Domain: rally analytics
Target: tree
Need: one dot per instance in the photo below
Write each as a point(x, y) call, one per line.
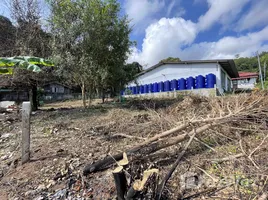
point(7, 37)
point(31, 39)
point(130, 71)
point(28, 38)
point(91, 43)
point(170, 59)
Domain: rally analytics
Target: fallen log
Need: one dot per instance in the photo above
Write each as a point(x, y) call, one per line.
point(143, 150)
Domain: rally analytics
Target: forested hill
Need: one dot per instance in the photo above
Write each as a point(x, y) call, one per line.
point(250, 64)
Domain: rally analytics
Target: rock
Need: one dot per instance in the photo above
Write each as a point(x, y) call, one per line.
point(190, 180)
point(4, 157)
point(30, 193)
point(60, 194)
point(6, 135)
point(51, 183)
point(41, 187)
point(39, 198)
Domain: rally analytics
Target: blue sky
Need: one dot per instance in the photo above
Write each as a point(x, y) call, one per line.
point(193, 29)
point(196, 29)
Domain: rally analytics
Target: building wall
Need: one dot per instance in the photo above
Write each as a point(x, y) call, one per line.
point(209, 92)
point(177, 71)
point(56, 88)
point(247, 83)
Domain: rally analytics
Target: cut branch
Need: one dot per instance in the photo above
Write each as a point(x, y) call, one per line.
point(169, 174)
point(141, 150)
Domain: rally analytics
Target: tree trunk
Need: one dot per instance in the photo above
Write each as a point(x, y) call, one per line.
point(84, 95)
point(120, 182)
point(103, 95)
point(34, 98)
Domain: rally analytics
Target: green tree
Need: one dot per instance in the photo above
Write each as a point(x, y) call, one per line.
point(7, 37)
point(91, 43)
point(26, 38)
point(170, 59)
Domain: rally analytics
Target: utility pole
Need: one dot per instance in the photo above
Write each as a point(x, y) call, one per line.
point(264, 71)
point(260, 70)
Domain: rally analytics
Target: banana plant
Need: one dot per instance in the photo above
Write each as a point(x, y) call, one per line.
point(7, 65)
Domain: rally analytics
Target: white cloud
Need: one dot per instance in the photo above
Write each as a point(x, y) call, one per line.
point(141, 12)
point(163, 39)
point(228, 47)
point(168, 37)
point(220, 11)
point(175, 36)
point(256, 16)
point(145, 12)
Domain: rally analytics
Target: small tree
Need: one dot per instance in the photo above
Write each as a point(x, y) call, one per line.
point(91, 43)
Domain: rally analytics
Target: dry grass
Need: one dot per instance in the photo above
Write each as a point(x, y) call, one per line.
point(64, 140)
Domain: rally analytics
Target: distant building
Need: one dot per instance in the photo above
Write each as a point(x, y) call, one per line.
point(197, 76)
point(56, 88)
point(245, 81)
point(57, 91)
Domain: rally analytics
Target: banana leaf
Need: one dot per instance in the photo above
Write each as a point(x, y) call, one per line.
point(35, 60)
point(7, 65)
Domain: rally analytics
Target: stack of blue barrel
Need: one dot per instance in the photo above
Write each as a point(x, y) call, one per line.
point(181, 84)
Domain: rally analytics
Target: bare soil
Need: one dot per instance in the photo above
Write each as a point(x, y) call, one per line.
point(65, 137)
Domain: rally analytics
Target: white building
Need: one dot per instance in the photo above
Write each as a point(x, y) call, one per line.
point(245, 81)
point(224, 71)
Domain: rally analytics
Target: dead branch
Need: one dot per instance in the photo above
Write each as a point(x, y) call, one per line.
point(205, 144)
point(126, 136)
point(264, 196)
point(169, 174)
point(259, 146)
point(104, 163)
point(232, 157)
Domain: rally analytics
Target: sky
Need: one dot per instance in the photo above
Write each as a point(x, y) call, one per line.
point(196, 29)
point(192, 29)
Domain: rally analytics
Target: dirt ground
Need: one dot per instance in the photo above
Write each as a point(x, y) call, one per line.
point(65, 137)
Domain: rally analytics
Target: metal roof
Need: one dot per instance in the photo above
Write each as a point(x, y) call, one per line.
point(244, 75)
point(227, 65)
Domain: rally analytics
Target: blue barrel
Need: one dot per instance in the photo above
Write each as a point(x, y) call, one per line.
point(156, 87)
point(167, 86)
point(174, 85)
point(142, 89)
point(182, 84)
point(134, 90)
point(190, 82)
point(210, 80)
point(161, 86)
point(200, 81)
point(138, 89)
point(146, 88)
point(151, 87)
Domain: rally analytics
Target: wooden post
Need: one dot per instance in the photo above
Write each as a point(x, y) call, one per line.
point(25, 142)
